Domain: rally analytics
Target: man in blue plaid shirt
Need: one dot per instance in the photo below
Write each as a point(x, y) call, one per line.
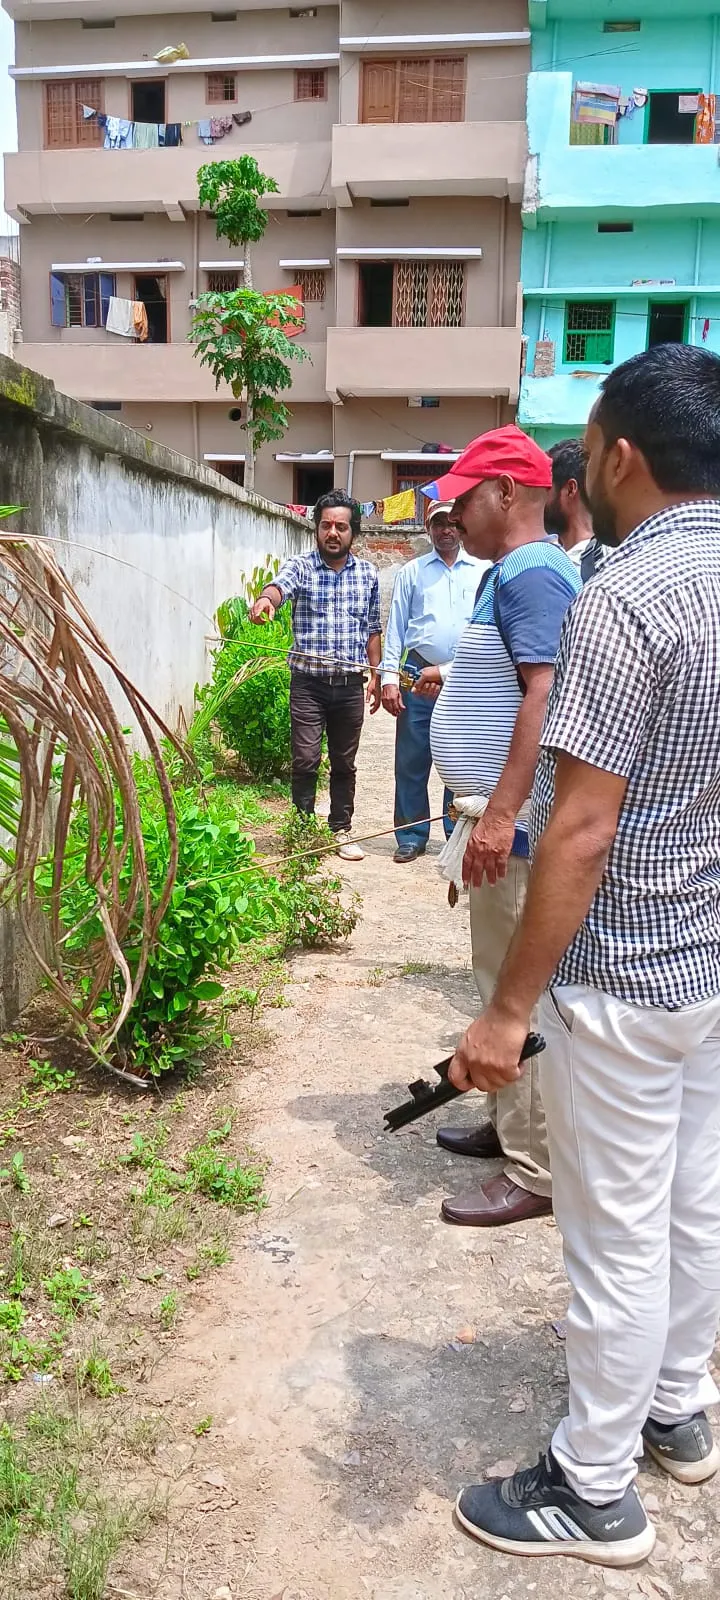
point(336, 633)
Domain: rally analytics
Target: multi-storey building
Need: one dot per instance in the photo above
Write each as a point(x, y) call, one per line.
point(396, 134)
point(621, 214)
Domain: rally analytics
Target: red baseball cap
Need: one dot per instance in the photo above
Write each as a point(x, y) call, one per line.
point(502, 451)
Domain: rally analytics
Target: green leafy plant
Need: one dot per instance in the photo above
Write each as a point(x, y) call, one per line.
point(253, 710)
point(43, 1075)
point(219, 902)
point(245, 337)
point(203, 1426)
point(168, 1310)
point(69, 1291)
point(16, 1173)
point(95, 1375)
point(311, 898)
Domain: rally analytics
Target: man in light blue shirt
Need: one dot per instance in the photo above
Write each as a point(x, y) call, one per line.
point(432, 602)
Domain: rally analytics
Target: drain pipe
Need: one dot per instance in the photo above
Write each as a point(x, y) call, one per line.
point(351, 464)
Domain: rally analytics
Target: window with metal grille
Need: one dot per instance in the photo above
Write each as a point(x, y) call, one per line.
point(428, 294)
point(80, 299)
point(66, 127)
point(311, 83)
point(223, 282)
point(413, 89)
point(590, 331)
point(221, 88)
point(311, 282)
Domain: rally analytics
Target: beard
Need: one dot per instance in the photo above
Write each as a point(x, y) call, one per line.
point(555, 519)
point(604, 519)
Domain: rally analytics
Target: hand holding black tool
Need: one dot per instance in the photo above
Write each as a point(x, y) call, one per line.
point(427, 1096)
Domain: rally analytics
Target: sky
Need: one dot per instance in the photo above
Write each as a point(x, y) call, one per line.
point(8, 130)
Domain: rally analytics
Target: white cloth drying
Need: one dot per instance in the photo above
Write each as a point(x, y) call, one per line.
point(120, 318)
point(470, 808)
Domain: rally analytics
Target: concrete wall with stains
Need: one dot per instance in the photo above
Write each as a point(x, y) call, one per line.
point(151, 541)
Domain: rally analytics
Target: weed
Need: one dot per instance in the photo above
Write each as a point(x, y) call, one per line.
point(377, 977)
point(225, 1181)
point(310, 899)
point(203, 1426)
point(94, 1373)
point(88, 1551)
point(168, 1310)
point(16, 1173)
point(69, 1291)
point(420, 969)
point(43, 1075)
point(215, 1254)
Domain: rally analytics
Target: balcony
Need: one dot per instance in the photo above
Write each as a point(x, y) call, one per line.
point(414, 361)
point(45, 182)
point(398, 160)
point(608, 181)
point(152, 373)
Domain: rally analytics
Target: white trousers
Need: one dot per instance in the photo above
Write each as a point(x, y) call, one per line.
point(632, 1099)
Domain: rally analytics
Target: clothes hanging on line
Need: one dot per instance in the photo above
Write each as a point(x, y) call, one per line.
point(399, 507)
point(121, 317)
point(118, 133)
point(140, 321)
point(705, 120)
point(241, 117)
point(170, 134)
point(146, 135)
point(368, 508)
point(596, 103)
point(219, 126)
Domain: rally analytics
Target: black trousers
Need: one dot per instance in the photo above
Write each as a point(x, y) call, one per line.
point(335, 706)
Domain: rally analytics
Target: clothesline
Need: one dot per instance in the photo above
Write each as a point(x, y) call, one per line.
point(393, 508)
point(123, 134)
point(604, 104)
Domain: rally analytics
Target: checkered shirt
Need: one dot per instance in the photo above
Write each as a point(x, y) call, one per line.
point(637, 693)
point(334, 613)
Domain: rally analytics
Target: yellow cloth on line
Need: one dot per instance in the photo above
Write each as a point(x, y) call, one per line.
point(399, 507)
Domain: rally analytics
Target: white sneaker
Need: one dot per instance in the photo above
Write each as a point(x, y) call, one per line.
point(347, 850)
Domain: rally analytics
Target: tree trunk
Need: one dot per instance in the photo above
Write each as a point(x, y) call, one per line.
point(249, 441)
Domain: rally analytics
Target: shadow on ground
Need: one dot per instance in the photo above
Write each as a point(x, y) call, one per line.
point(430, 1419)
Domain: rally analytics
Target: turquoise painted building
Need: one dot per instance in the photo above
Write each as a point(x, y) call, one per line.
point(621, 221)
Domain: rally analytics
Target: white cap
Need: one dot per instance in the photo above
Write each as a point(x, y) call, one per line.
point(437, 507)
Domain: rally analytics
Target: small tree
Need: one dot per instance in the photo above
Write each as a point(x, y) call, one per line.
point(245, 337)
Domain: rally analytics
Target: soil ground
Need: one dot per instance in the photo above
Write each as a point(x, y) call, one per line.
point(345, 1411)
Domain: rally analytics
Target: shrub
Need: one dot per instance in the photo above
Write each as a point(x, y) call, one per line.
point(255, 718)
point(310, 898)
point(219, 903)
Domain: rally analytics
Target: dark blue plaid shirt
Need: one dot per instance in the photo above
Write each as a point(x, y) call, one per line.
point(334, 613)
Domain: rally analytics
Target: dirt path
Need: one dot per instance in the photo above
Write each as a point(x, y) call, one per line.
point(345, 1413)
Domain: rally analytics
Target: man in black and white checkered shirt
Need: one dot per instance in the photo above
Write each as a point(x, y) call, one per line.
point(622, 932)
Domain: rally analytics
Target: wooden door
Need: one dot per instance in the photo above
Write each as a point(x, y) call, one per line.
point(377, 101)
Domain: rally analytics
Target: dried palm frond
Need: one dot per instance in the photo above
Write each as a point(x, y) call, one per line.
point(68, 745)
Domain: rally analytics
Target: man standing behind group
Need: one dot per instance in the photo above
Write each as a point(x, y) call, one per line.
point(567, 513)
point(432, 601)
point(336, 633)
point(485, 738)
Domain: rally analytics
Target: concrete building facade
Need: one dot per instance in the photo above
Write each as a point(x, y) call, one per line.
point(397, 137)
point(621, 221)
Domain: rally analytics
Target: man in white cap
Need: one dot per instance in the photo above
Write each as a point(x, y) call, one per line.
point(432, 602)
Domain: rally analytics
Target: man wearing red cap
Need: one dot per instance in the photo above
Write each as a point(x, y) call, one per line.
point(485, 736)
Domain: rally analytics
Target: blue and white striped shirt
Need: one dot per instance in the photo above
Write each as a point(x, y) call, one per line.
point(334, 613)
point(475, 713)
point(637, 693)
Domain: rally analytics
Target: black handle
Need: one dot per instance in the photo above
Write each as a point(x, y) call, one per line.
point(427, 1097)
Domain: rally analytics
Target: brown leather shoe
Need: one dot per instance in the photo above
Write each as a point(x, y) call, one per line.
point(482, 1142)
point(495, 1203)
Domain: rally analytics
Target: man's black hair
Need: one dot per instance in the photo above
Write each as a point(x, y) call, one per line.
point(338, 497)
point(666, 402)
point(568, 461)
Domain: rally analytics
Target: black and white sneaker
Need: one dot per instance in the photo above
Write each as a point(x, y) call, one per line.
point(536, 1513)
point(686, 1450)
